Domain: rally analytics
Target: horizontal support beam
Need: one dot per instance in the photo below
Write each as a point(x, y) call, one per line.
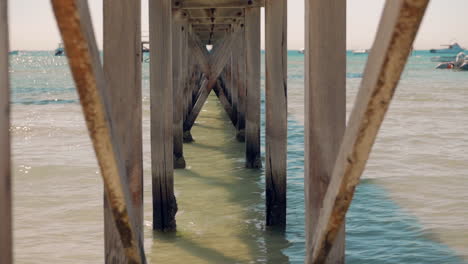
point(202, 4)
point(213, 12)
point(215, 20)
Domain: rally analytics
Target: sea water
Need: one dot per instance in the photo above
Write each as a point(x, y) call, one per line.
point(410, 207)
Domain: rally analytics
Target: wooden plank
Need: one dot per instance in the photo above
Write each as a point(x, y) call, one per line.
point(276, 108)
point(177, 84)
point(325, 103)
point(6, 240)
point(397, 30)
point(241, 86)
point(122, 68)
point(74, 22)
point(252, 113)
point(202, 4)
point(164, 202)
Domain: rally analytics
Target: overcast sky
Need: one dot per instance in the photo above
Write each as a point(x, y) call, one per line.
point(32, 25)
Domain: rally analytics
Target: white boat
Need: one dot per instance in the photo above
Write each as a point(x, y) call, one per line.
point(451, 48)
point(361, 51)
point(301, 51)
point(60, 50)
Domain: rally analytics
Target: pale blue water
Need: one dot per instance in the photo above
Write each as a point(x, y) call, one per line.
point(386, 224)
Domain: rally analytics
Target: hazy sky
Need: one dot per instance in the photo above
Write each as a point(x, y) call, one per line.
point(32, 25)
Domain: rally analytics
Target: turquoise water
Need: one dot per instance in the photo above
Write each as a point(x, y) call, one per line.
point(410, 207)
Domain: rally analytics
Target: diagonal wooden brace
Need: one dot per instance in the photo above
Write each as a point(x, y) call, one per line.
point(398, 27)
point(74, 22)
point(217, 61)
point(200, 53)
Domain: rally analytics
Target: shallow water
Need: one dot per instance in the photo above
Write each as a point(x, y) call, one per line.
point(411, 206)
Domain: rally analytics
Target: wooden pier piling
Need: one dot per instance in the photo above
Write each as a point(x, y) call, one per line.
point(182, 75)
point(276, 110)
point(252, 111)
point(6, 234)
point(178, 32)
point(325, 104)
point(241, 85)
point(161, 93)
point(122, 69)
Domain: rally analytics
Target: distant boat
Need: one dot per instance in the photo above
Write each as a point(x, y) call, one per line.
point(13, 52)
point(452, 48)
point(301, 51)
point(361, 51)
point(59, 51)
point(443, 58)
point(460, 63)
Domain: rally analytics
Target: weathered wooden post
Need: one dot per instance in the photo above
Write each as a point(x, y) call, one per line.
point(325, 103)
point(160, 31)
point(241, 85)
point(234, 87)
point(122, 68)
point(6, 240)
point(252, 112)
point(178, 96)
point(276, 59)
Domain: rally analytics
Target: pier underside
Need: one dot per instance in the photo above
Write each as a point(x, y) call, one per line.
point(200, 46)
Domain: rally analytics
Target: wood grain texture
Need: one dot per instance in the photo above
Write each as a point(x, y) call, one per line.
point(160, 31)
point(178, 30)
point(397, 30)
point(122, 69)
point(75, 26)
point(6, 238)
point(325, 104)
point(252, 112)
point(276, 109)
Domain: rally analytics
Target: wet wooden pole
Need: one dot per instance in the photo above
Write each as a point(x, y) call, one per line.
point(178, 96)
point(252, 111)
point(160, 31)
point(276, 60)
point(6, 238)
point(325, 103)
point(397, 30)
point(74, 22)
point(122, 68)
